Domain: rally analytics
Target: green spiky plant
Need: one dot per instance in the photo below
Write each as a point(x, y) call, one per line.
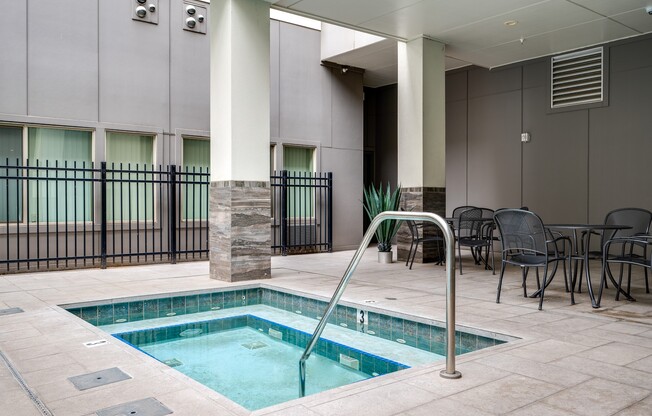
point(377, 201)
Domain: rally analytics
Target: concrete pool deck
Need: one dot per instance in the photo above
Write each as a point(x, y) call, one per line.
point(570, 360)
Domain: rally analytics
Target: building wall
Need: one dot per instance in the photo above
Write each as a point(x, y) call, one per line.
point(580, 164)
point(91, 66)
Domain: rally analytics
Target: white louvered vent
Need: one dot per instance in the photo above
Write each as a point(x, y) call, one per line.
point(577, 78)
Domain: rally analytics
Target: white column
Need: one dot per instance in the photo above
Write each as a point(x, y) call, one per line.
point(239, 206)
point(421, 114)
point(421, 135)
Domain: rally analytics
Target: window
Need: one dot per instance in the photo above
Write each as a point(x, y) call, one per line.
point(59, 200)
point(11, 154)
point(298, 161)
point(196, 159)
point(52, 195)
point(130, 159)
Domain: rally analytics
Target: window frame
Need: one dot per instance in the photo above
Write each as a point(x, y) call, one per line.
point(181, 194)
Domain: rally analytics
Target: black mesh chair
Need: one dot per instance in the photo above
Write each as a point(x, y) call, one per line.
point(637, 218)
point(624, 255)
point(418, 238)
point(472, 233)
point(526, 243)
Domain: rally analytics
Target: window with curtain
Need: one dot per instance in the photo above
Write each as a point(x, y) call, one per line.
point(196, 159)
point(131, 199)
point(298, 161)
point(58, 199)
point(11, 154)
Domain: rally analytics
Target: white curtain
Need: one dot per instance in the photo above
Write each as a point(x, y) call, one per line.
point(129, 201)
point(196, 159)
point(59, 200)
point(11, 154)
point(298, 161)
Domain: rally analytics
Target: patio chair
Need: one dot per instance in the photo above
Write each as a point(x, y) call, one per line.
point(625, 256)
point(637, 218)
point(473, 233)
point(526, 243)
point(418, 238)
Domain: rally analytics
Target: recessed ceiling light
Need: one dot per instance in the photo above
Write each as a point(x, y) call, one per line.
point(511, 23)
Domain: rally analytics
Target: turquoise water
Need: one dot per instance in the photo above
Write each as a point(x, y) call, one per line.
point(251, 368)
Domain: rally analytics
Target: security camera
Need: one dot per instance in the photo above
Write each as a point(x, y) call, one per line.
point(648, 9)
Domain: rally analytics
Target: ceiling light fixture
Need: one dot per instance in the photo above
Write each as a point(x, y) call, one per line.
point(511, 23)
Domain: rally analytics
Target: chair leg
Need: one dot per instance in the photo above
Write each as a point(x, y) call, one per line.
point(647, 285)
point(620, 282)
point(500, 280)
point(493, 261)
point(524, 272)
point(538, 280)
point(543, 288)
point(569, 271)
point(459, 251)
point(407, 261)
point(414, 253)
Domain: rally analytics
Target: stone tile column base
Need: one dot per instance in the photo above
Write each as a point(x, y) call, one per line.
point(239, 230)
point(422, 199)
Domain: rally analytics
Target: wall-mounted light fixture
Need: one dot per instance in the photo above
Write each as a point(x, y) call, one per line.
point(147, 14)
point(194, 18)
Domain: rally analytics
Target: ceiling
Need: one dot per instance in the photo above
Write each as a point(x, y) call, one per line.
point(475, 32)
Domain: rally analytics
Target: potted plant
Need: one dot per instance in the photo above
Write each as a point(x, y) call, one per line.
point(375, 202)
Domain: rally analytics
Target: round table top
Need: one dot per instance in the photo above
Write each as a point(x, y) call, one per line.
point(589, 226)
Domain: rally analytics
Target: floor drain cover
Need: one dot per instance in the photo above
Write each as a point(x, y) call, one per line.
point(144, 407)
point(254, 345)
point(10, 311)
point(99, 378)
point(173, 362)
point(391, 298)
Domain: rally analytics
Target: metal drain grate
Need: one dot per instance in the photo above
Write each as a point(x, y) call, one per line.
point(10, 311)
point(42, 408)
point(172, 362)
point(254, 345)
point(145, 407)
point(99, 378)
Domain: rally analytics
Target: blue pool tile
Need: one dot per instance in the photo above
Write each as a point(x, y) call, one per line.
point(121, 311)
point(89, 314)
point(150, 308)
point(164, 307)
point(136, 311)
point(217, 300)
point(192, 304)
point(105, 314)
point(204, 302)
point(179, 305)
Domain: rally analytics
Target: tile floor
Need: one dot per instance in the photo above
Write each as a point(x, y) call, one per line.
point(570, 360)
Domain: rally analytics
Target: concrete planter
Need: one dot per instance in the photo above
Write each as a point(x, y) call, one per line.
point(385, 257)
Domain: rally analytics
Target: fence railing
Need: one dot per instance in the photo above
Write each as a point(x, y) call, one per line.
point(302, 212)
point(69, 215)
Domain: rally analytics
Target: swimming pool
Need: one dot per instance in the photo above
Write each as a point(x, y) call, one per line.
point(258, 334)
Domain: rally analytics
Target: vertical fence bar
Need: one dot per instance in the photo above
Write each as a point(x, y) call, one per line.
point(74, 198)
point(172, 191)
point(7, 209)
point(284, 212)
point(84, 176)
point(330, 212)
point(26, 219)
point(103, 214)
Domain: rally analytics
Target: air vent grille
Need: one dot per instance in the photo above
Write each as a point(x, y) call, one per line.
point(577, 78)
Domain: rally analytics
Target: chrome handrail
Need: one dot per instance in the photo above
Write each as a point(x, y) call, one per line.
point(449, 372)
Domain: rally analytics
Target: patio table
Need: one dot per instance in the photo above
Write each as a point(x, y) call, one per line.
point(477, 257)
point(576, 254)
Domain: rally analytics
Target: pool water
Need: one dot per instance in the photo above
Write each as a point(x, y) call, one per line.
point(251, 368)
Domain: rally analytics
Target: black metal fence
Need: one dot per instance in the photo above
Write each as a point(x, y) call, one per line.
point(71, 215)
point(50, 218)
point(302, 212)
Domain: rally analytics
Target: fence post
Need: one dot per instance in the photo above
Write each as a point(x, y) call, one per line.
point(103, 214)
point(330, 212)
point(172, 207)
point(284, 212)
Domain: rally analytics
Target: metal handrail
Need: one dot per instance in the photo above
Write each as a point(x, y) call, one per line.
point(449, 372)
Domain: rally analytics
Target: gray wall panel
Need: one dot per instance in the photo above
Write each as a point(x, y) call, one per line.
point(494, 161)
point(346, 108)
point(483, 82)
point(62, 59)
point(456, 155)
point(387, 135)
point(301, 115)
point(134, 66)
point(555, 162)
point(189, 72)
point(347, 195)
point(13, 57)
point(621, 145)
point(456, 86)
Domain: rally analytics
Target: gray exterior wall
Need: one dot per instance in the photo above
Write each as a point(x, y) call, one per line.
point(580, 164)
point(101, 70)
